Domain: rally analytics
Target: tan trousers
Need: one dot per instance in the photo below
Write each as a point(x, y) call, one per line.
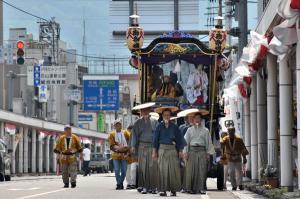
point(69, 170)
point(235, 170)
point(225, 175)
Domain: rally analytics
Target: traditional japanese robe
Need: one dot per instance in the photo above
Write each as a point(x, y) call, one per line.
point(68, 152)
point(234, 152)
point(141, 138)
point(114, 140)
point(168, 141)
point(197, 79)
point(199, 145)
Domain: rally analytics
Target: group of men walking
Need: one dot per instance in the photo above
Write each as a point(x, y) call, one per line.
point(161, 148)
point(165, 156)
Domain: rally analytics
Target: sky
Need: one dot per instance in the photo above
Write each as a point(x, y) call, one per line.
point(70, 14)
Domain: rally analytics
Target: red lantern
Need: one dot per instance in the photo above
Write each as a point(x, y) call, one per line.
point(217, 39)
point(295, 4)
point(135, 38)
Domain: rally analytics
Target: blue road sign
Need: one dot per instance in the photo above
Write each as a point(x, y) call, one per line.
point(85, 118)
point(36, 75)
point(101, 95)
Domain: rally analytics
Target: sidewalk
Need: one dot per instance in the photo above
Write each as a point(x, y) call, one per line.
point(245, 194)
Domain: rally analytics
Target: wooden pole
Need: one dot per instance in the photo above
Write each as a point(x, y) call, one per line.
point(213, 93)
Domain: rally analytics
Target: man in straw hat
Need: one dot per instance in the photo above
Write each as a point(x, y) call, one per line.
point(141, 144)
point(67, 146)
point(168, 146)
point(189, 120)
point(118, 141)
point(235, 152)
point(197, 151)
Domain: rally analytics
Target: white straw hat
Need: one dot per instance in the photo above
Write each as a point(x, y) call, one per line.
point(143, 106)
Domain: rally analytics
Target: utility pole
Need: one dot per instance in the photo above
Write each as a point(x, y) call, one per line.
point(242, 16)
point(228, 18)
point(131, 11)
point(1, 23)
point(220, 15)
point(176, 14)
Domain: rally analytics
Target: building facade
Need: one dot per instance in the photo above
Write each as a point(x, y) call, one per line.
point(271, 115)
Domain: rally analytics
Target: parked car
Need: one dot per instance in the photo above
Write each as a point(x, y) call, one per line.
point(5, 160)
point(99, 163)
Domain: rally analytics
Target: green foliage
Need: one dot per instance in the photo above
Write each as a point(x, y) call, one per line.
point(268, 172)
point(276, 193)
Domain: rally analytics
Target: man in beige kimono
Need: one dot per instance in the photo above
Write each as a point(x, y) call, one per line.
point(197, 152)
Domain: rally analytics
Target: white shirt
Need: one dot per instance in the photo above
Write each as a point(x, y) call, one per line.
point(199, 136)
point(86, 154)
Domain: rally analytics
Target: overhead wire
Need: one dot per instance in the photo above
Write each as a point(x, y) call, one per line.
point(81, 55)
point(24, 11)
point(94, 57)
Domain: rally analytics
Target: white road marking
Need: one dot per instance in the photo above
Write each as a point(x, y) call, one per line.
point(204, 196)
point(41, 194)
point(25, 189)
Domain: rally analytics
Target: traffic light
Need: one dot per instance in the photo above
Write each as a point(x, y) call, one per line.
point(20, 52)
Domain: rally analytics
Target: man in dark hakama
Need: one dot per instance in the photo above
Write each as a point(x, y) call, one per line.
point(141, 144)
point(168, 146)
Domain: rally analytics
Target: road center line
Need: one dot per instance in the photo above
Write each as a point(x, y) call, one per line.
point(41, 194)
point(24, 189)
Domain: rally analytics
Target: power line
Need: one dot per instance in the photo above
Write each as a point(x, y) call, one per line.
point(95, 57)
point(24, 11)
point(81, 55)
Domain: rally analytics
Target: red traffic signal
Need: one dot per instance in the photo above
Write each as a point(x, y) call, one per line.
point(20, 44)
point(20, 52)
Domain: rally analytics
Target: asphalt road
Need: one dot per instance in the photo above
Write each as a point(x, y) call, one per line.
point(95, 186)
